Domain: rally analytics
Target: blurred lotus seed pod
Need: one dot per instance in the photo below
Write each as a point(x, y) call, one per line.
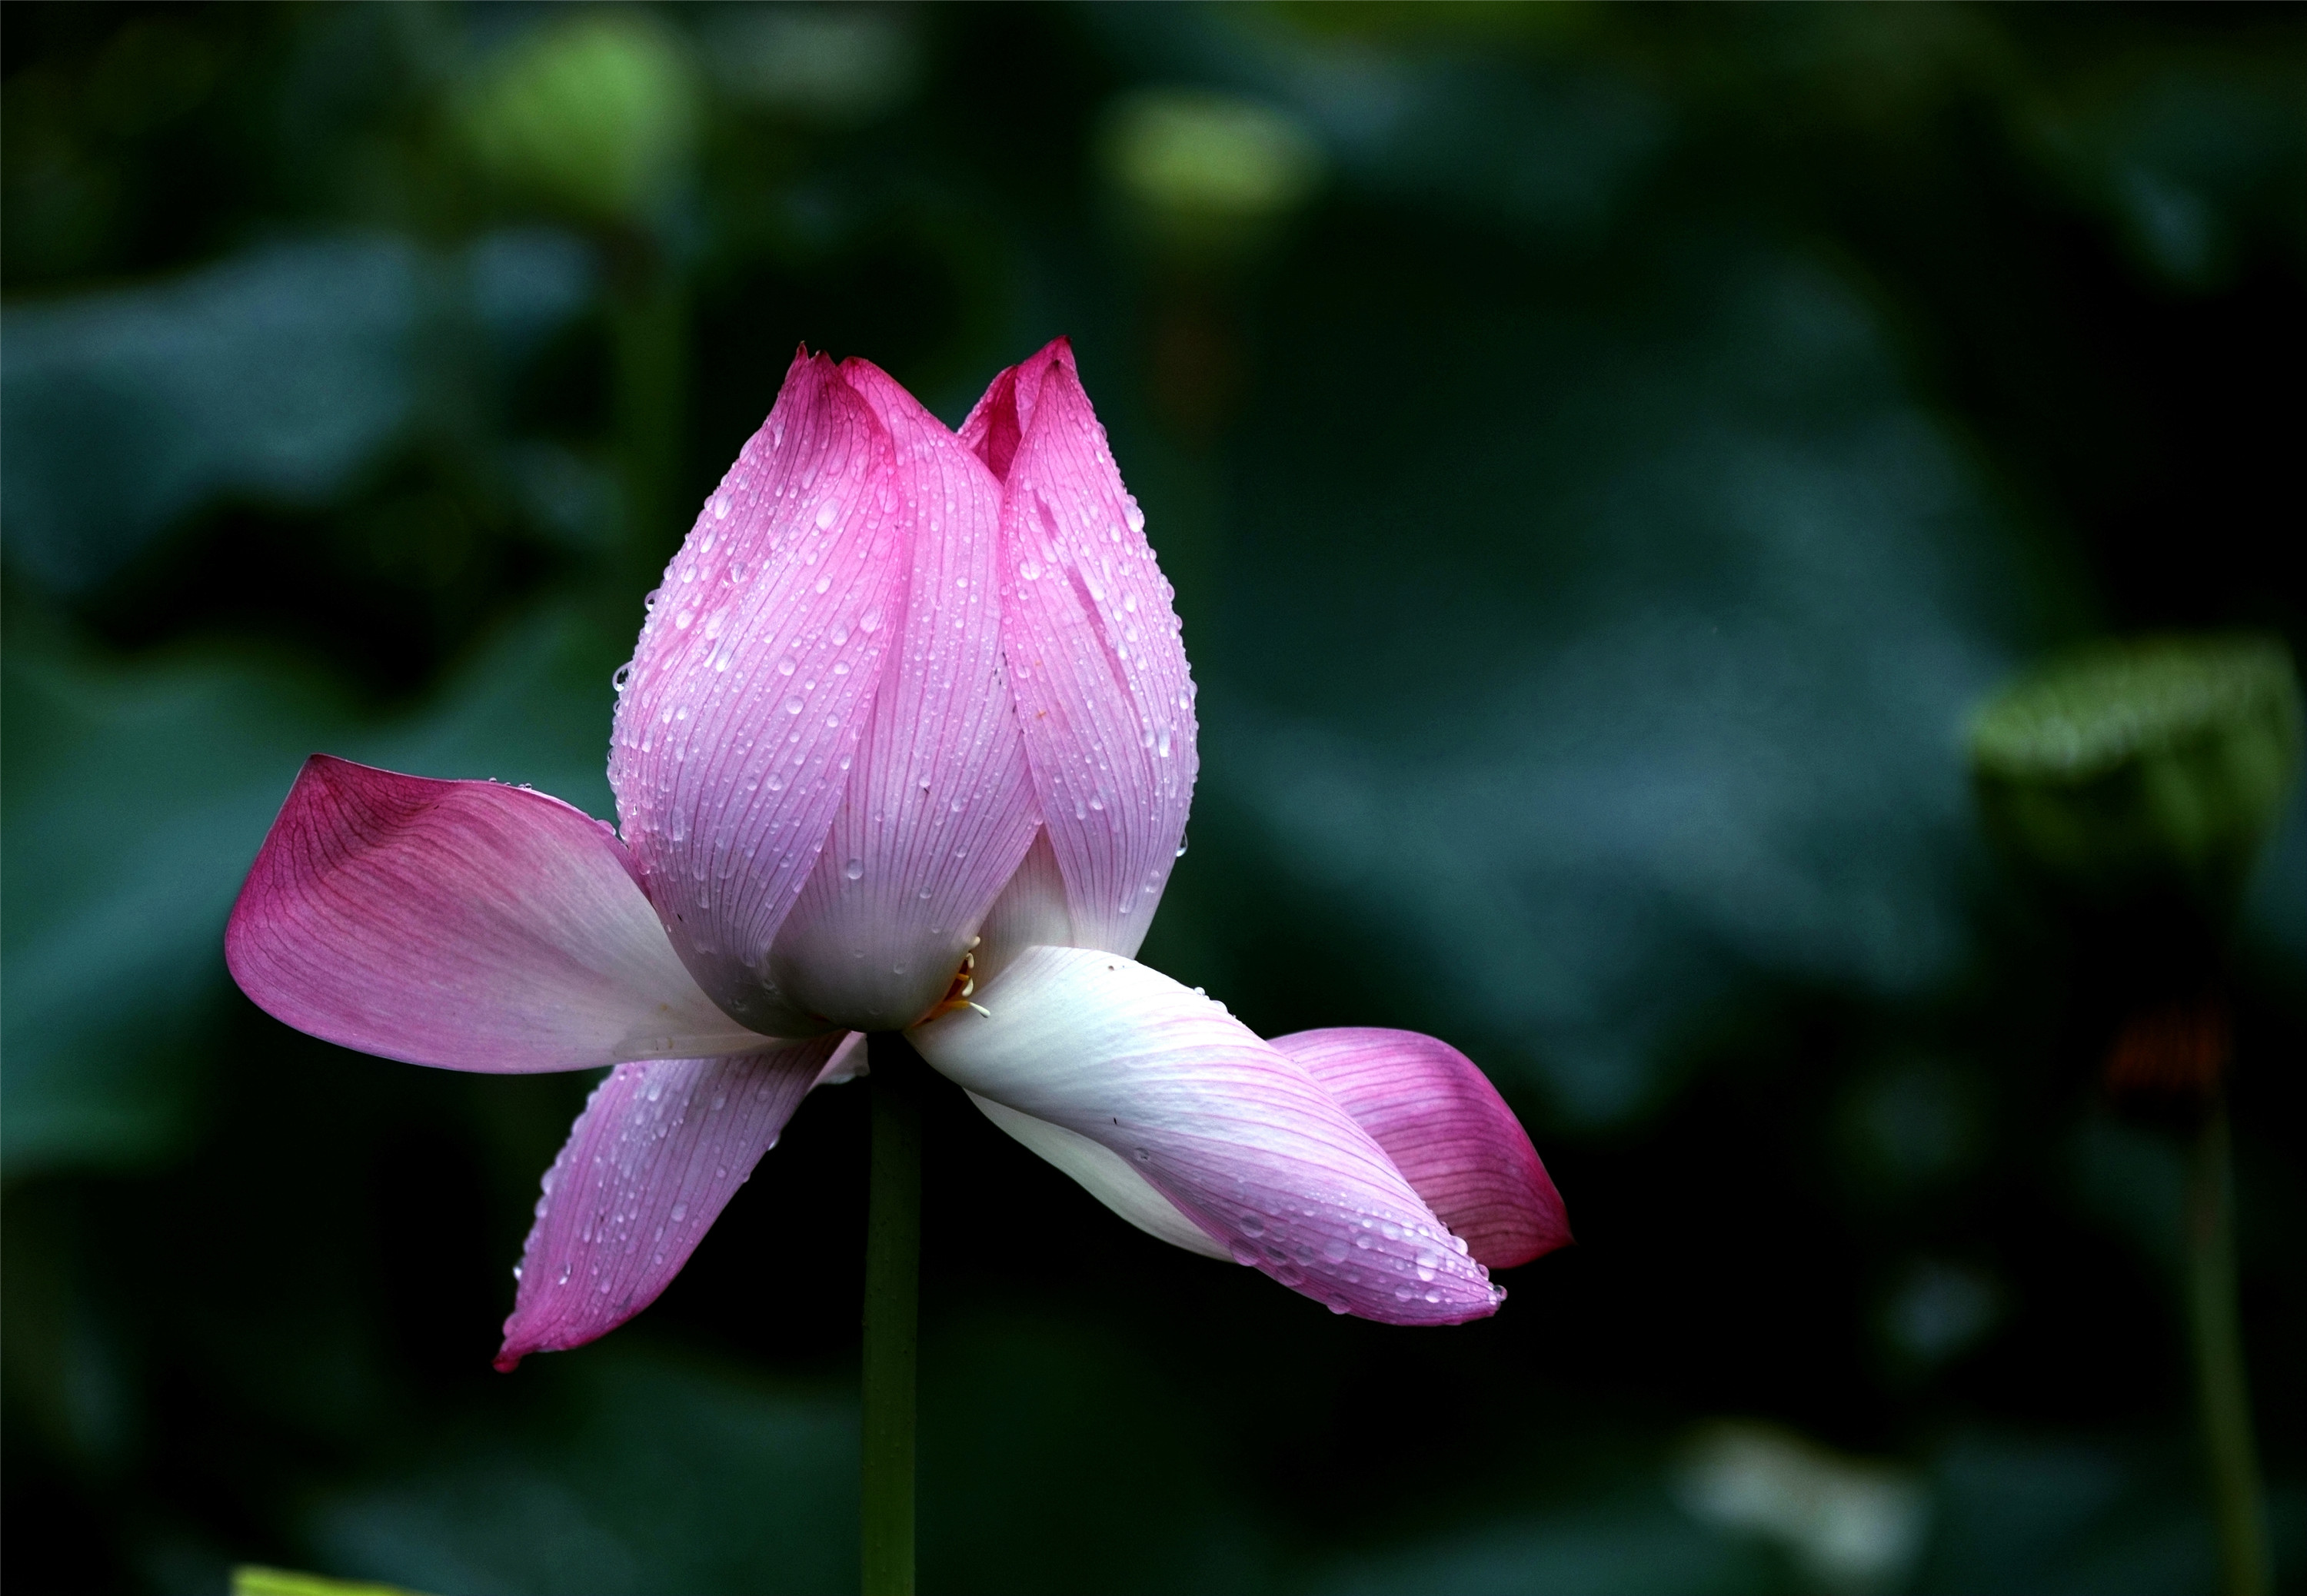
point(595, 113)
point(1208, 178)
point(2129, 769)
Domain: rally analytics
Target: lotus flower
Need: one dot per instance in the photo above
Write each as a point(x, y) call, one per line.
point(907, 743)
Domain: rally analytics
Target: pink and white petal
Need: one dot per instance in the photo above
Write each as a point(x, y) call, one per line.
point(940, 807)
point(1096, 662)
point(749, 690)
point(1106, 1175)
point(1241, 1140)
point(651, 1162)
point(461, 923)
point(1030, 912)
point(1445, 1126)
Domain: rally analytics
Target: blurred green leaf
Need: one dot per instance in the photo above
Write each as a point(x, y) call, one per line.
point(1631, 1545)
point(1657, 618)
point(277, 375)
point(136, 798)
point(249, 1581)
point(659, 1476)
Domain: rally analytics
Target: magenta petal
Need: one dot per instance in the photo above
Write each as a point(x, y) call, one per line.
point(650, 1163)
point(1096, 662)
point(939, 806)
point(748, 693)
point(1240, 1139)
point(994, 427)
point(1445, 1126)
point(462, 924)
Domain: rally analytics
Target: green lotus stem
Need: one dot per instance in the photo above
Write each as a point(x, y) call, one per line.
point(893, 1255)
point(2221, 1383)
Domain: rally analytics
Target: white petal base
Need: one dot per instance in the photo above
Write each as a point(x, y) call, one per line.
point(1106, 1175)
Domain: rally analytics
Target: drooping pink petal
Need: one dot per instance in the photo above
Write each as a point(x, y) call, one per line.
point(1242, 1140)
point(1445, 1126)
point(651, 1162)
point(749, 691)
point(1095, 660)
point(939, 806)
point(462, 924)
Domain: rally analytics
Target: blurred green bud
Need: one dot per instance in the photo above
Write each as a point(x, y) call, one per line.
point(2131, 768)
point(1208, 176)
point(595, 113)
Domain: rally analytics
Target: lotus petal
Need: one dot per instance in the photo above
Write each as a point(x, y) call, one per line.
point(749, 693)
point(651, 1162)
point(1240, 1139)
point(1095, 656)
point(940, 807)
point(462, 924)
point(1446, 1128)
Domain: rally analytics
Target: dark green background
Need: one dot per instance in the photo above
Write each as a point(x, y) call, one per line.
point(1593, 515)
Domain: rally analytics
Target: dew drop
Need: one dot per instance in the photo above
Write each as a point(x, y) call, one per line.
point(854, 869)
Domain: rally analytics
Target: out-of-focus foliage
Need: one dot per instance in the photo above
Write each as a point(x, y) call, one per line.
point(2156, 765)
point(1606, 456)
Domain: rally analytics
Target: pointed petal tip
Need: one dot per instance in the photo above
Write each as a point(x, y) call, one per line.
point(1097, 659)
point(658, 1151)
point(778, 600)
